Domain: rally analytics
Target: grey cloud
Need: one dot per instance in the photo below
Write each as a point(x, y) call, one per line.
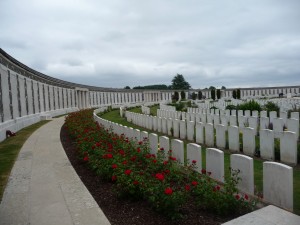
point(119, 43)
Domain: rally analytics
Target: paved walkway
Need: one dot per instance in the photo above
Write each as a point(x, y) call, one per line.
point(270, 215)
point(44, 189)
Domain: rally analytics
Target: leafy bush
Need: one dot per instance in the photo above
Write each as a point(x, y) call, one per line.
point(251, 105)
point(182, 94)
point(231, 107)
point(238, 94)
point(213, 94)
point(271, 106)
point(218, 93)
point(234, 94)
point(175, 97)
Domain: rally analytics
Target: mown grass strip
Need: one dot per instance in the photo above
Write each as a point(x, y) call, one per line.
point(9, 150)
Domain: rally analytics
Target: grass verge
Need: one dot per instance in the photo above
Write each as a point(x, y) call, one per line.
point(9, 150)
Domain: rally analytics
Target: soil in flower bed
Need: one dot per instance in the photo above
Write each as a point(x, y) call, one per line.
point(121, 211)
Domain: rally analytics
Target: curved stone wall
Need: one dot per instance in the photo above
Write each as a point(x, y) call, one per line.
point(28, 96)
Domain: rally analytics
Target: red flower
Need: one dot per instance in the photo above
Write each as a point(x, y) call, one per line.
point(187, 187)
point(172, 158)
point(167, 171)
point(127, 172)
point(107, 156)
point(154, 160)
point(246, 197)
point(194, 161)
point(121, 152)
point(124, 162)
point(161, 149)
point(160, 176)
point(237, 197)
point(114, 178)
point(168, 191)
point(165, 162)
point(133, 158)
point(216, 188)
point(93, 147)
point(138, 150)
point(114, 166)
point(194, 183)
point(203, 171)
point(135, 182)
point(140, 142)
point(86, 158)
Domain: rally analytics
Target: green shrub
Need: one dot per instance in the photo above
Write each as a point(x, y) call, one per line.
point(251, 105)
point(271, 106)
point(231, 107)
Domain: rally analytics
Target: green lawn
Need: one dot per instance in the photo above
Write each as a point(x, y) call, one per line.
point(9, 150)
point(258, 164)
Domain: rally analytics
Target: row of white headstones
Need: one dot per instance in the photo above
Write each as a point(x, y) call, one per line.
point(277, 177)
point(283, 103)
point(203, 128)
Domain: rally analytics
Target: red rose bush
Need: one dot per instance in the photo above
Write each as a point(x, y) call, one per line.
point(164, 184)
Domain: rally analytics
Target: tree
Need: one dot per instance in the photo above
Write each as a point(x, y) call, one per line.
point(199, 95)
point(211, 88)
point(179, 82)
point(182, 94)
point(127, 87)
point(218, 93)
point(238, 93)
point(223, 87)
point(213, 94)
point(194, 96)
point(234, 94)
point(175, 97)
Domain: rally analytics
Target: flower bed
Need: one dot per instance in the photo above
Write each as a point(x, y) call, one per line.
point(139, 175)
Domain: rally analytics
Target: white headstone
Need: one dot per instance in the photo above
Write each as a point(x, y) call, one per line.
point(215, 163)
point(278, 184)
point(288, 147)
point(178, 150)
point(293, 125)
point(253, 122)
point(233, 120)
point(164, 143)
point(264, 122)
point(263, 114)
point(273, 114)
point(248, 141)
point(245, 166)
point(190, 130)
point(182, 129)
point(220, 136)
point(209, 135)
point(278, 127)
point(266, 140)
point(170, 126)
point(200, 133)
point(176, 128)
point(194, 153)
point(153, 143)
point(234, 138)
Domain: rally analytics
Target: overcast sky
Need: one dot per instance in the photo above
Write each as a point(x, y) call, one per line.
point(115, 43)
